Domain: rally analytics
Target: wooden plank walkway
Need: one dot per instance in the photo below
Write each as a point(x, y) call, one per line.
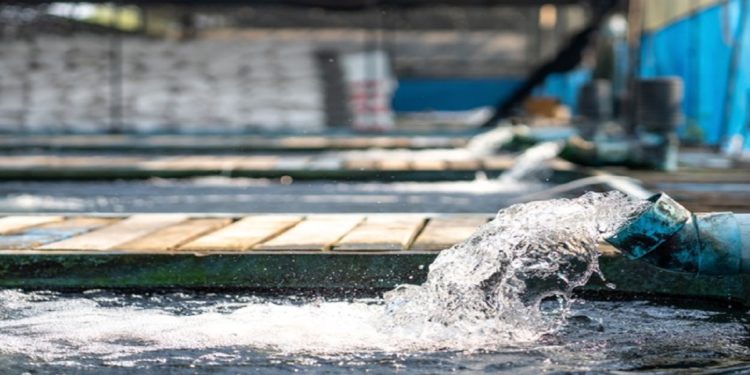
point(252, 233)
point(344, 166)
point(269, 252)
point(225, 143)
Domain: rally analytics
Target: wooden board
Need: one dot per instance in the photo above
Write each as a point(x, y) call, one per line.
point(308, 142)
point(497, 162)
point(195, 162)
point(424, 164)
point(465, 164)
point(292, 163)
point(160, 143)
point(243, 234)
point(11, 162)
point(173, 236)
point(118, 233)
point(361, 164)
point(443, 232)
point(12, 224)
point(371, 256)
point(352, 142)
point(383, 232)
point(35, 236)
point(394, 164)
point(390, 142)
point(257, 162)
point(316, 232)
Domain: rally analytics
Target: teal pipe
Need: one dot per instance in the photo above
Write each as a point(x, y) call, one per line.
point(648, 151)
point(669, 236)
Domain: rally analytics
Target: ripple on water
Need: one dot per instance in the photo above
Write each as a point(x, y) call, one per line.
point(121, 332)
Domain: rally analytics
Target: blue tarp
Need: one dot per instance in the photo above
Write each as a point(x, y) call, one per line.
point(425, 94)
point(700, 49)
point(416, 95)
point(565, 86)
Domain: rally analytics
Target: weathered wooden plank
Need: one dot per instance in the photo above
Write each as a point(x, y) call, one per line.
point(351, 142)
point(22, 161)
point(171, 237)
point(316, 232)
point(292, 163)
point(256, 162)
point(425, 164)
point(12, 224)
point(195, 162)
point(444, 232)
point(437, 142)
point(497, 162)
point(194, 142)
point(92, 161)
point(243, 234)
point(394, 164)
point(390, 142)
point(303, 142)
point(51, 232)
point(118, 233)
point(360, 164)
point(464, 164)
point(67, 161)
point(383, 232)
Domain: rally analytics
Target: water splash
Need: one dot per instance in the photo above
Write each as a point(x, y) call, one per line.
point(492, 284)
point(532, 162)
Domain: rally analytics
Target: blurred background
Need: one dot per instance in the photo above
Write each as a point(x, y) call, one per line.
point(285, 66)
point(620, 82)
point(312, 66)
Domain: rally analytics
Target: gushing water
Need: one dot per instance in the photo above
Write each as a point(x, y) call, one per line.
point(492, 284)
point(483, 293)
point(531, 163)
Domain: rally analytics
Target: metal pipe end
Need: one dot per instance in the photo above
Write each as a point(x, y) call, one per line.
point(651, 228)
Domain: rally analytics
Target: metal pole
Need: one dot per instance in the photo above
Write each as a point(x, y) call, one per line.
point(635, 30)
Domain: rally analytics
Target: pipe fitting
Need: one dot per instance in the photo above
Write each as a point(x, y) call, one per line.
point(669, 236)
point(651, 228)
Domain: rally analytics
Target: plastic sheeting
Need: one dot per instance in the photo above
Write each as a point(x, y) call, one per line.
point(710, 50)
point(425, 94)
point(565, 86)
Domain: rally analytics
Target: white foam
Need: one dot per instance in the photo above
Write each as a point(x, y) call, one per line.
point(61, 328)
point(28, 202)
point(532, 162)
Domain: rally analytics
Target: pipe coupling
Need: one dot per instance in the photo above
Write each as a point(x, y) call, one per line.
point(669, 236)
point(651, 228)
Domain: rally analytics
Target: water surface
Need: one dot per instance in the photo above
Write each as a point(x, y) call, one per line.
point(244, 195)
point(184, 332)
